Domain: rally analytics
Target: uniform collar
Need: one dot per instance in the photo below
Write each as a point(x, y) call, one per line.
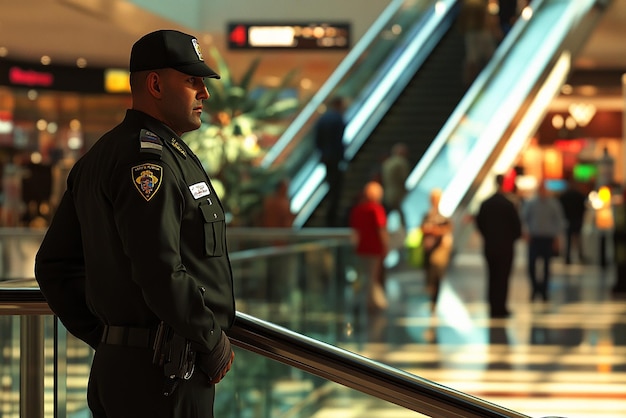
point(152, 124)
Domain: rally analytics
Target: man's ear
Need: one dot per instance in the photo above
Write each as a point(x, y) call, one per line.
point(153, 83)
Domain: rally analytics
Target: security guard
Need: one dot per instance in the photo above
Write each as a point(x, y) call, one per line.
point(138, 241)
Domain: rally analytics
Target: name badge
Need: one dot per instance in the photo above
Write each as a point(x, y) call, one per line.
point(199, 190)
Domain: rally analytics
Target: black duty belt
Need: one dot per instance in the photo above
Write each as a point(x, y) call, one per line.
point(129, 336)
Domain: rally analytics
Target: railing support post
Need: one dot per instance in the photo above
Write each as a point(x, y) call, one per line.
point(32, 366)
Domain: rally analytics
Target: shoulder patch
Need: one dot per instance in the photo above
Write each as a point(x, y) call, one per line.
point(147, 179)
point(150, 142)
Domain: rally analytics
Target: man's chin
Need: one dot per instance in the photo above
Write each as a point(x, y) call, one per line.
point(195, 123)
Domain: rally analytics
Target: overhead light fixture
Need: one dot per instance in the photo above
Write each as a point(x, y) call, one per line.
point(558, 121)
point(582, 113)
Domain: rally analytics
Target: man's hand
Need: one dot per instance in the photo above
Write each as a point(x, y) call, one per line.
point(225, 370)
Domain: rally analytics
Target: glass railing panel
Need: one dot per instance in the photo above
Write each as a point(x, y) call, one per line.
point(301, 286)
point(9, 368)
point(314, 308)
point(311, 379)
point(292, 282)
point(258, 387)
point(474, 130)
point(18, 247)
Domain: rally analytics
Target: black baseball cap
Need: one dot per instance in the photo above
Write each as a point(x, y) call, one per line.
point(169, 49)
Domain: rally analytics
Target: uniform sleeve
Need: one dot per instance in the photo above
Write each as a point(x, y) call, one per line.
point(60, 272)
point(149, 220)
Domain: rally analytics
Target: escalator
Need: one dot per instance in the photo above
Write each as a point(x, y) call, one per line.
point(378, 70)
point(414, 119)
point(503, 108)
point(460, 144)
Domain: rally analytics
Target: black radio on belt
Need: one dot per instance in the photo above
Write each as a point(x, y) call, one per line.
point(174, 354)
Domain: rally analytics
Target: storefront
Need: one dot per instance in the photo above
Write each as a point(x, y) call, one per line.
point(587, 151)
point(49, 115)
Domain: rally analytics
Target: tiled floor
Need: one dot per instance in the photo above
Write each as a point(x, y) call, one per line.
point(564, 358)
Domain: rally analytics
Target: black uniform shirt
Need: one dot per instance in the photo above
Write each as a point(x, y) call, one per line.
point(139, 237)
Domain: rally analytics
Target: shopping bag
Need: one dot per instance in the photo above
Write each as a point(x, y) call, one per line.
point(414, 250)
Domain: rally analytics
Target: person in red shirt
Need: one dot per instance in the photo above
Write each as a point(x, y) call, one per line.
point(369, 223)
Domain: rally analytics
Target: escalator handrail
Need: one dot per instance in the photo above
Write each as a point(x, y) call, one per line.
point(325, 90)
point(379, 95)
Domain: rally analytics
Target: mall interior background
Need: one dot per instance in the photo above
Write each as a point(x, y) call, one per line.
point(558, 349)
point(45, 127)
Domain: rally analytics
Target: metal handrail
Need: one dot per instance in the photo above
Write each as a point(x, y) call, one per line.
point(360, 373)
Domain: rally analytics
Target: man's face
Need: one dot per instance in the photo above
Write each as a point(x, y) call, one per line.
point(181, 101)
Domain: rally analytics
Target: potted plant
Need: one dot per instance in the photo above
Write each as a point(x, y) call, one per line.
point(242, 121)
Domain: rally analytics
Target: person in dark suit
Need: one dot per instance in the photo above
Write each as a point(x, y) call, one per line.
point(574, 204)
point(329, 130)
point(499, 223)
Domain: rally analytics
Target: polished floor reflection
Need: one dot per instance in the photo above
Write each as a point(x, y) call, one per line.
point(565, 357)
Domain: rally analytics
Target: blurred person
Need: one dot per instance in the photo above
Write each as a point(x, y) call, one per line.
point(282, 268)
point(276, 212)
point(543, 223)
point(606, 169)
point(437, 243)
point(499, 224)
point(368, 221)
point(135, 261)
point(394, 172)
point(619, 244)
point(574, 204)
point(508, 13)
point(329, 130)
point(480, 42)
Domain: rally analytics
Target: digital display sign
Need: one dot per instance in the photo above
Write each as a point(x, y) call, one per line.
point(319, 36)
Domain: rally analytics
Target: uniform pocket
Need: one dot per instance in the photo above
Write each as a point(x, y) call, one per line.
point(214, 230)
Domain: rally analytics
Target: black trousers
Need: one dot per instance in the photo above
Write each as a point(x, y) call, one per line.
point(573, 239)
point(540, 248)
point(124, 383)
point(334, 178)
point(499, 265)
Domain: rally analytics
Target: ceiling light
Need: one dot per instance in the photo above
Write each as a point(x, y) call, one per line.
point(75, 124)
point(45, 60)
point(582, 112)
point(557, 121)
point(3, 51)
point(81, 62)
point(41, 124)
